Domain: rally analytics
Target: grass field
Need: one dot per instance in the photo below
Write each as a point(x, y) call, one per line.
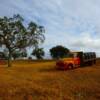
point(28, 80)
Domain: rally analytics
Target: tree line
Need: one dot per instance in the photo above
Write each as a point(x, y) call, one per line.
point(15, 37)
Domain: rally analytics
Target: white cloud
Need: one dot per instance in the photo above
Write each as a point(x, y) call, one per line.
point(85, 40)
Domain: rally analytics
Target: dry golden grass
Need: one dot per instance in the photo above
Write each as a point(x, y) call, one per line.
point(28, 80)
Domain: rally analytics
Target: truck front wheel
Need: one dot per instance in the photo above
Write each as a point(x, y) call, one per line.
point(70, 66)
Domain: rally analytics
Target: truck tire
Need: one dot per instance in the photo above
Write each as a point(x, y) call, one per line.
point(70, 66)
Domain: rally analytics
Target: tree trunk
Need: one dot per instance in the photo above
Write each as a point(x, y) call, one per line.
point(9, 59)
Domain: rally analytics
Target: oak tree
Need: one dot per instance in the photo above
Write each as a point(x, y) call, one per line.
point(14, 35)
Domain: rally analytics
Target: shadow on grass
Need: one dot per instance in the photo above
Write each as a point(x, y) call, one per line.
point(48, 70)
point(55, 69)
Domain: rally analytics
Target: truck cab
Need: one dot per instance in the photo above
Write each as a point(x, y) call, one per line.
point(70, 61)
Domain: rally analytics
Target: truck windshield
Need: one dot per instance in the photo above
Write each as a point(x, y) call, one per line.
point(69, 55)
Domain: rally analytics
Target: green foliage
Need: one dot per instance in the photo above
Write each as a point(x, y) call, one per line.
point(29, 58)
point(38, 53)
point(15, 55)
point(14, 35)
point(2, 55)
point(18, 54)
point(59, 52)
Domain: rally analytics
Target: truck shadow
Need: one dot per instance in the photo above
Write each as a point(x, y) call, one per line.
point(54, 69)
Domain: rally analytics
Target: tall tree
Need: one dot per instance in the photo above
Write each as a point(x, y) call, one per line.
point(38, 53)
point(15, 36)
point(59, 52)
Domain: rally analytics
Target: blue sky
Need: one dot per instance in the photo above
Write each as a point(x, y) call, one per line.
point(72, 23)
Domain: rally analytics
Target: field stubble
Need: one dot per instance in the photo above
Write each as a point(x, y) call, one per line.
point(41, 81)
